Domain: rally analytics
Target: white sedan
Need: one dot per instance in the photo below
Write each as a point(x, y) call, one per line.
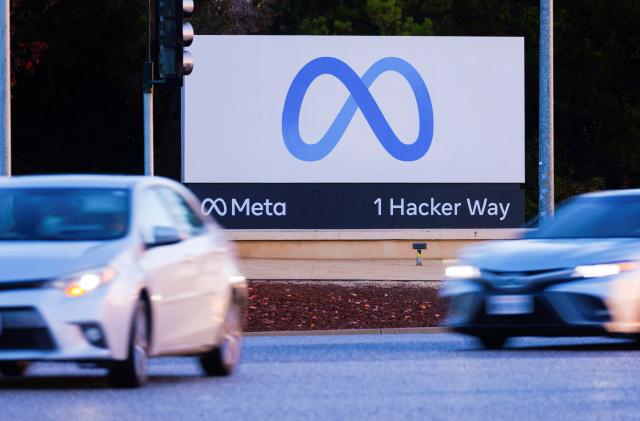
point(111, 270)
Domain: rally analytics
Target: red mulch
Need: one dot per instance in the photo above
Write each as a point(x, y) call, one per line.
point(316, 305)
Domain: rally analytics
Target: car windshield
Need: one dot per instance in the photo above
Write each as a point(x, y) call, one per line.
point(593, 217)
point(63, 214)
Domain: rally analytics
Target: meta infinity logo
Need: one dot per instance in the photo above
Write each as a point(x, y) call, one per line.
point(360, 98)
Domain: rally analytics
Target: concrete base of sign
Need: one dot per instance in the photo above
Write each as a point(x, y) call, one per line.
point(359, 244)
point(381, 271)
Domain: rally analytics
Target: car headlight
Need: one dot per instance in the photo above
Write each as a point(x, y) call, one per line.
point(237, 279)
point(601, 270)
point(462, 272)
point(82, 283)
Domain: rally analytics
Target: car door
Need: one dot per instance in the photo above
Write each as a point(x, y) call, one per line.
point(169, 269)
point(203, 286)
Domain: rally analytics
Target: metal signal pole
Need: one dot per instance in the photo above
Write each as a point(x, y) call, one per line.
point(147, 98)
point(545, 128)
point(5, 89)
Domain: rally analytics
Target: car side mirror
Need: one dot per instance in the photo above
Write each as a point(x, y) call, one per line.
point(163, 236)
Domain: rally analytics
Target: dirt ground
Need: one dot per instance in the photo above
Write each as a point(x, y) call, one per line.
point(315, 305)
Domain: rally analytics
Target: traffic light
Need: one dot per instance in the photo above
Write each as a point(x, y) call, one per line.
point(174, 34)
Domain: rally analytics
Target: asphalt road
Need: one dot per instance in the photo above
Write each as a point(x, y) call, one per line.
point(386, 377)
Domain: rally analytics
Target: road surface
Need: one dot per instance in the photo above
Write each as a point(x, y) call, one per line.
point(372, 377)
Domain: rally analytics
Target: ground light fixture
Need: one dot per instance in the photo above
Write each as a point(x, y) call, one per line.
point(418, 247)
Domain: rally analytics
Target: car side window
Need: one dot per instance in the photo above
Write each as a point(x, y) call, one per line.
point(154, 213)
point(187, 220)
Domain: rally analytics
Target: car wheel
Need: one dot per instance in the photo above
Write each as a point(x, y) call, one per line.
point(13, 368)
point(132, 372)
point(493, 341)
point(222, 360)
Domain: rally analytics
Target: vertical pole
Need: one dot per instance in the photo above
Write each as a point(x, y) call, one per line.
point(148, 129)
point(5, 89)
point(545, 130)
point(147, 98)
point(182, 135)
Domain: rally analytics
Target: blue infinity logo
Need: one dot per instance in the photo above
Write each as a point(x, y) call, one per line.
point(360, 98)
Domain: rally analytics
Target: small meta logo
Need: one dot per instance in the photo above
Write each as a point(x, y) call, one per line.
point(360, 98)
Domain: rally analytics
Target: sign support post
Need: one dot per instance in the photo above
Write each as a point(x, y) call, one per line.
point(5, 89)
point(545, 131)
point(148, 117)
point(147, 98)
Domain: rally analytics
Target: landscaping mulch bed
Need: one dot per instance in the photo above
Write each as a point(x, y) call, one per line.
point(318, 305)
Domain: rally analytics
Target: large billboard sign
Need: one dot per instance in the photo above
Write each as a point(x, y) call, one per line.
point(356, 132)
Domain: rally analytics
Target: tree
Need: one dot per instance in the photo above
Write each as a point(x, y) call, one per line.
point(233, 17)
point(26, 52)
point(81, 109)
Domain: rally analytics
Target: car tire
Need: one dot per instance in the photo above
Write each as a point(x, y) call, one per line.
point(132, 372)
point(223, 359)
point(493, 341)
point(13, 368)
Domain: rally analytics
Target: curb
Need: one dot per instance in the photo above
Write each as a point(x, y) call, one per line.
point(354, 280)
point(385, 331)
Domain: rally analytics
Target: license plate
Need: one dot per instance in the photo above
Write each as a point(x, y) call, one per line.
point(509, 304)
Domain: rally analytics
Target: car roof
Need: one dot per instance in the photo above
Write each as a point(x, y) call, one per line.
point(77, 180)
point(613, 193)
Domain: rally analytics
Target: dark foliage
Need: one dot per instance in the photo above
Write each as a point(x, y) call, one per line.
point(77, 95)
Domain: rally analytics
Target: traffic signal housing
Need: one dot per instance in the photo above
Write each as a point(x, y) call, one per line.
point(173, 35)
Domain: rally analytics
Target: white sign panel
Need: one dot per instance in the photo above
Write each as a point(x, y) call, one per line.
point(311, 109)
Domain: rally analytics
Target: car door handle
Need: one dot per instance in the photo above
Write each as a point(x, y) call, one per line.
point(189, 259)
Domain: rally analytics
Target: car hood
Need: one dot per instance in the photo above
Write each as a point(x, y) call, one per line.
point(548, 254)
point(24, 261)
